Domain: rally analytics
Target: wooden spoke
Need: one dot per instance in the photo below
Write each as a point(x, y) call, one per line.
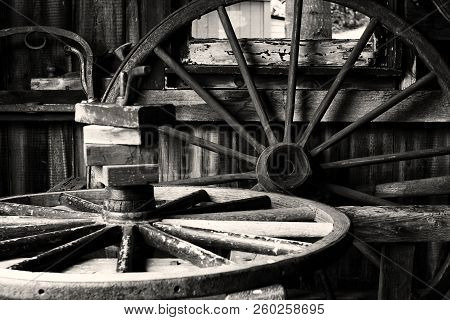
point(125, 255)
point(300, 214)
point(208, 145)
point(234, 241)
point(255, 203)
point(205, 181)
point(179, 248)
point(259, 228)
point(188, 79)
point(374, 113)
point(337, 83)
point(293, 65)
point(355, 195)
point(408, 155)
point(29, 245)
point(77, 203)
point(15, 209)
point(184, 202)
point(62, 255)
point(248, 79)
point(22, 230)
point(412, 188)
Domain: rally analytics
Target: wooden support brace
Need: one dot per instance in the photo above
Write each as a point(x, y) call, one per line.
point(129, 175)
point(105, 154)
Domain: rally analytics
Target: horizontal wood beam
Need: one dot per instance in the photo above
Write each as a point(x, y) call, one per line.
point(111, 135)
point(330, 52)
point(128, 175)
point(123, 116)
point(107, 154)
point(41, 97)
point(400, 224)
point(59, 83)
point(348, 106)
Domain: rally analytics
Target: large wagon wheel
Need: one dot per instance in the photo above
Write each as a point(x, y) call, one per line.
point(41, 247)
point(284, 166)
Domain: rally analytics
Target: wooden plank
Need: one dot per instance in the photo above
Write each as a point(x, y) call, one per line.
point(41, 97)
point(400, 224)
point(396, 269)
point(414, 188)
point(104, 154)
point(128, 175)
point(348, 106)
point(259, 228)
point(36, 108)
point(111, 135)
point(56, 84)
point(123, 116)
point(277, 52)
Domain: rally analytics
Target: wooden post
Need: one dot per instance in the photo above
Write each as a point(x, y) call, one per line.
point(316, 19)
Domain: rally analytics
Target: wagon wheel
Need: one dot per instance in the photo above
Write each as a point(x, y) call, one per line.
point(286, 165)
point(44, 249)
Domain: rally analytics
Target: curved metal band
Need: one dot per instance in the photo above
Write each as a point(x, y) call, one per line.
point(88, 70)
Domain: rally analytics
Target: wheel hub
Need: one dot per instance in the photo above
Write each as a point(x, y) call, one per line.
point(283, 166)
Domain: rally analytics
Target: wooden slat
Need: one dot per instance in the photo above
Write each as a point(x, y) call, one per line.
point(413, 188)
point(206, 181)
point(122, 116)
point(41, 97)
point(125, 175)
point(348, 106)
point(259, 228)
point(276, 52)
point(111, 135)
point(41, 84)
point(400, 224)
point(105, 154)
point(14, 209)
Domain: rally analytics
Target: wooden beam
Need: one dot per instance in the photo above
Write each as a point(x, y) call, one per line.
point(111, 135)
point(330, 52)
point(106, 154)
point(59, 83)
point(128, 175)
point(41, 97)
point(348, 106)
point(36, 108)
point(414, 188)
point(119, 116)
point(400, 224)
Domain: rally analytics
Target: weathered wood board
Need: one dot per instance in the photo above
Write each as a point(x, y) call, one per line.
point(56, 84)
point(400, 224)
point(111, 135)
point(127, 116)
point(348, 106)
point(104, 154)
point(277, 52)
point(127, 175)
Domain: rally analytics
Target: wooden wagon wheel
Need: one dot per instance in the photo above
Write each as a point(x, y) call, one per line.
point(40, 245)
point(284, 166)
